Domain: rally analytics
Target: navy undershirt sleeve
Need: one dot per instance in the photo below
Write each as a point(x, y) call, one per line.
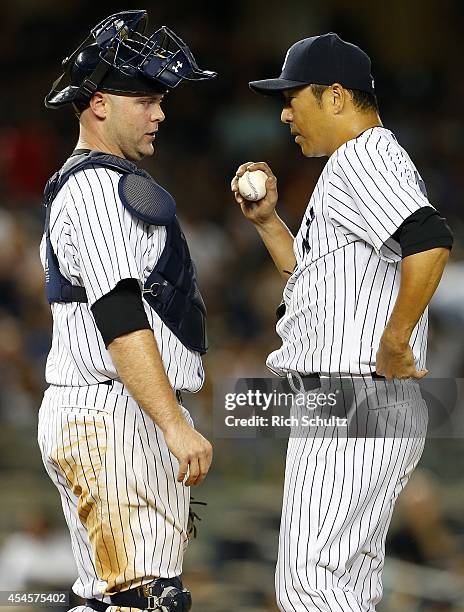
point(425, 229)
point(120, 311)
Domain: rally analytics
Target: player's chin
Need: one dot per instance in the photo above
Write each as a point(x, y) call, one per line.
point(145, 150)
point(305, 147)
point(307, 151)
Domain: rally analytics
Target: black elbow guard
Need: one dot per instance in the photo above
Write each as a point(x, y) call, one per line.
point(422, 231)
point(120, 311)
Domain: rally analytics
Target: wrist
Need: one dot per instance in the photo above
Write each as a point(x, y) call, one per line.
point(397, 338)
point(269, 224)
point(173, 421)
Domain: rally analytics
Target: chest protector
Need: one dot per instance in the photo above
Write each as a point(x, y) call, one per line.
point(171, 289)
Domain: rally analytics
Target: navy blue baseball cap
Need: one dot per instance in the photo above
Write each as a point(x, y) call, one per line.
point(322, 60)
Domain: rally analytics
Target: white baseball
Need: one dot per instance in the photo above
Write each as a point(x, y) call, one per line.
point(252, 185)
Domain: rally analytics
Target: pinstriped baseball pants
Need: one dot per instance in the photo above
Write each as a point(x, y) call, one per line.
point(339, 495)
point(126, 513)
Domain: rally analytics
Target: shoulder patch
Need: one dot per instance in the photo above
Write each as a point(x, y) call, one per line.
point(146, 200)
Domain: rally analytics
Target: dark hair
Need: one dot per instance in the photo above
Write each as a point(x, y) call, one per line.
point(362, 100)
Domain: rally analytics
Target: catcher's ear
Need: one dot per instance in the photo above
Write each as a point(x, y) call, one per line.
point(99, 105)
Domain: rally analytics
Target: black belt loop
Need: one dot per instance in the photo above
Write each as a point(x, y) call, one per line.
point(311, 381)
point(305, 382)
point(179, 397)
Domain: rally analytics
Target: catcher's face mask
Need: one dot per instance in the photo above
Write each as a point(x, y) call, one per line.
point(118, 57)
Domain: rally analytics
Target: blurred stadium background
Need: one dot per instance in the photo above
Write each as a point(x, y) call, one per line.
point(416, 48)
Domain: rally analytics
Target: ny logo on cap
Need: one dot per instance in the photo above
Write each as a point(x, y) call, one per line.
point(177, 66)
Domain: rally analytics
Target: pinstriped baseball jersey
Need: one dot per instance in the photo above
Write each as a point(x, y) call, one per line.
point(344, 287)
point(98, 243)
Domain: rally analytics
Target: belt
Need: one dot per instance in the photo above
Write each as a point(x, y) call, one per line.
point(177, 392)
point(142, 597)
point(309, 381)
point(313, 381)
point(100, 606)
point(95, 604)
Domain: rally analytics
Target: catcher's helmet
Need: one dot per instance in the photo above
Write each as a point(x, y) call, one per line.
point(117, 57)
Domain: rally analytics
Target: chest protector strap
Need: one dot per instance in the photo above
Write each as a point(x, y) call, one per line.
point(171, 289)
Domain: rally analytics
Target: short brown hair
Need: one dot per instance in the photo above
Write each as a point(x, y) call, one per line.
point(362, 100)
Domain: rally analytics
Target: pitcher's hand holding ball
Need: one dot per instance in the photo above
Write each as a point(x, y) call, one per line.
point(257, 211)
